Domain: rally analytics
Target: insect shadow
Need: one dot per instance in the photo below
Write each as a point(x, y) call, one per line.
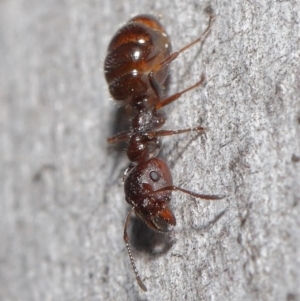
point(145, 240)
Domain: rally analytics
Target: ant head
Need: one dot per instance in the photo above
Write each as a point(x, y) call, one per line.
point(141, 186)
point(159, 220)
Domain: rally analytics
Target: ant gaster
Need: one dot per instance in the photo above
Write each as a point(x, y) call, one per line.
point(136, 70)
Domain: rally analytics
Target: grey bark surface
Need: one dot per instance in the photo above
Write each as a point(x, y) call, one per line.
point(62, 200)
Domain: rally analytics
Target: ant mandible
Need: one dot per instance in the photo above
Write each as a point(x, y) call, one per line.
point(136, 70)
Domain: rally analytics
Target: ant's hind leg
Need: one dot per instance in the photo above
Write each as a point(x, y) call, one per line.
point(171, 58)
point(175, 54)
point(177, 95)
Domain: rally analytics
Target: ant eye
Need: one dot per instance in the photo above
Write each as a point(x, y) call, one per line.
point(154, 176)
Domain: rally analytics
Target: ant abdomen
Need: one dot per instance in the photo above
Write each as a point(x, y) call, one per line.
point(142, 187)
point(138, 46)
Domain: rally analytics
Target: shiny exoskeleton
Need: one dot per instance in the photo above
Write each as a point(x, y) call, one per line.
point(136, 70)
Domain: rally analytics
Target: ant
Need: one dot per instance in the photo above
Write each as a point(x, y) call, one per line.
point(137, 70)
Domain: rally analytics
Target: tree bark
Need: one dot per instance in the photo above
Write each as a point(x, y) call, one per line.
point(62, 200)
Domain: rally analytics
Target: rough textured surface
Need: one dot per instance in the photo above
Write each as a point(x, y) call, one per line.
point(62, 202)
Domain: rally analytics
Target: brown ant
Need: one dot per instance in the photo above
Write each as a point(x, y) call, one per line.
point(136, 70)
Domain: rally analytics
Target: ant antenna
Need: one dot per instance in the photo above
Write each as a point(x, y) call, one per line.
point(132, 260)
point(194, 194)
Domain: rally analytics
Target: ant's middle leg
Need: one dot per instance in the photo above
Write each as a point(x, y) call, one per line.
point(161, 133)
point(120, 137)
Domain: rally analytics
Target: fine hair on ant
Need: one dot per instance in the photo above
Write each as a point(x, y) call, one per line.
point(136, 70)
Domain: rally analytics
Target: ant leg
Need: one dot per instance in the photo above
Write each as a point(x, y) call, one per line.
point(174, 55)
point(119, 137)
point(177, 95)
point(126, 239)
point(194, 194)
point(170, 132)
